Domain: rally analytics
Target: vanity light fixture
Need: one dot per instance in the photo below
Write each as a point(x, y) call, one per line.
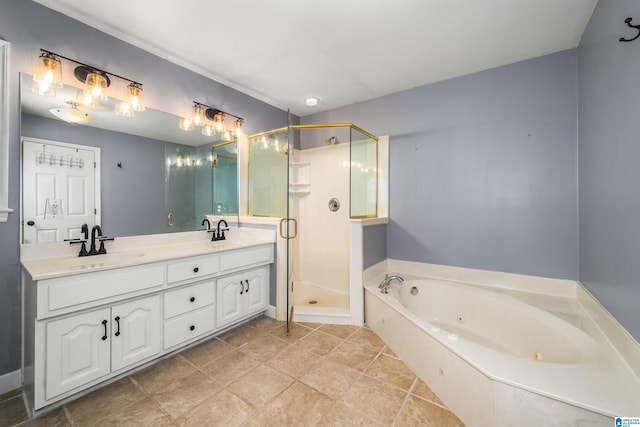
point(95, 80)
point(212, 121)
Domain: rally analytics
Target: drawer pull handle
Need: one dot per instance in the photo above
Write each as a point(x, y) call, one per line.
point(196, 269)
point(192, 299)
point(192, 327)
point(118, 323)
point(242, 287)
point(104, 323)
point(247, 291)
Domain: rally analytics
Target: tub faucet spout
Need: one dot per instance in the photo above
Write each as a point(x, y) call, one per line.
point(384, 285)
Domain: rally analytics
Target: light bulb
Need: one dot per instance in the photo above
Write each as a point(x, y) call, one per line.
point(96, 86)
point(239, 123)
point(49, 72)
point(185, 124)
point(198, 115)
point(134, 97)
point(207, 130)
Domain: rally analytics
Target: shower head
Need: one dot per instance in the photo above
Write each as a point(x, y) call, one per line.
point(331, 141)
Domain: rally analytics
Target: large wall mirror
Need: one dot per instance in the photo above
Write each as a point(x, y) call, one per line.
point(154, 177)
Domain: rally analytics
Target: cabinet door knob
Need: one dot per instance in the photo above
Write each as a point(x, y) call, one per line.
point(117, 319)
point(247, 291)
point(192, 299)
point(192, 327)
point(242, 287)
point(196, 269)
point(104, 323)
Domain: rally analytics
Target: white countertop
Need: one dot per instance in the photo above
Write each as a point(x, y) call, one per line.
point(46, 261)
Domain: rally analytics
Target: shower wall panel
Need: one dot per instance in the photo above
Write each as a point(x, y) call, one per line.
point(322, 246)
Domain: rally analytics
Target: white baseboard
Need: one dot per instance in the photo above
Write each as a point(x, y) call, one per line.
point(271, 311)
point(10, 381)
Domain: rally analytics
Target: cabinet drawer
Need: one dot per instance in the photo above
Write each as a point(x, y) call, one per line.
point(96, 288)
point(246, 257)
point(188, 299)
point(192, 268)
point(188, 326)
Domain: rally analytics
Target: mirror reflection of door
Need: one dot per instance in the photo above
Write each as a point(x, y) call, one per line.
point(60, 190)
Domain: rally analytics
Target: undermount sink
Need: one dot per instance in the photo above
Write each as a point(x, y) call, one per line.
point(98, 260)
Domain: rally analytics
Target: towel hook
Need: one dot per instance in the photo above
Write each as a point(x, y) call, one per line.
point(630, 25)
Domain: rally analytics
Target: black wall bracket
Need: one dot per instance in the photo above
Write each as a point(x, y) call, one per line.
point(630, 25)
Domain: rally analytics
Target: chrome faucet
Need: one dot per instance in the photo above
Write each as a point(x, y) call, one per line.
point(384, 285)
point(219, 233)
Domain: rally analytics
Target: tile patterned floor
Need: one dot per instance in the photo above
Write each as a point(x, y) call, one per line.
point(254, 375)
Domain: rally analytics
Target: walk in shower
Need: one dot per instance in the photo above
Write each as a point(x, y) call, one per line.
point(317, 179)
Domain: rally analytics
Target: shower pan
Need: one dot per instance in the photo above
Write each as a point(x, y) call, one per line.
point(318, 190)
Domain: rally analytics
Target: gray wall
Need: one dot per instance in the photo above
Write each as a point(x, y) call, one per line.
point(482, 168)
point(374, 242)
point(609, 152)
point(29, 26)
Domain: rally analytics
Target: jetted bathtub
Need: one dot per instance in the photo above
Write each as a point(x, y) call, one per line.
point(495, 359)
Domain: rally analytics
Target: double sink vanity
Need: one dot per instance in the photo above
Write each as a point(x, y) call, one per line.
point(89, 319)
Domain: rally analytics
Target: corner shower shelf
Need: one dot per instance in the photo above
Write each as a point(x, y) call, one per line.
point(300, 178)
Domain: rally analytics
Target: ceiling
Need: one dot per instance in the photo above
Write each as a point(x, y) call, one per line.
point(340, 51)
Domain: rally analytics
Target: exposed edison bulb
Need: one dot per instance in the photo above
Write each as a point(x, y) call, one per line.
point(207, 130)
point(48, 74)
point(42, 88)
point(198, 115)
point(96, 86)
point(124, 109)
point(185, 123)
point(134, 97)
point(239, 123)
point(86, 100)
point(218, 121)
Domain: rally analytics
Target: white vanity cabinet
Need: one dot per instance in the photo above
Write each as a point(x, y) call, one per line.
point(85, 347)
point(241, 295)
point(188, 313)
point(81, 329)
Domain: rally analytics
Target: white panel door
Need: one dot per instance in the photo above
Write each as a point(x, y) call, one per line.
point(78, 351)
point(229, 299)
point(60, 191)
point(255, 292)
point(135, 331)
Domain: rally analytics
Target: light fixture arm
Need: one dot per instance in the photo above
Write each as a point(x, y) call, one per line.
point(91, 67)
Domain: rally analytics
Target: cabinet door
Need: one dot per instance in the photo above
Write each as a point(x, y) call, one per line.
point(255, 290)
point(135, 331)
point(229, 299)
point(77, 351)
